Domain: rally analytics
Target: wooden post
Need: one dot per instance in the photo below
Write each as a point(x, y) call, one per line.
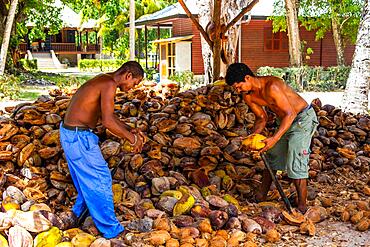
point(80, 40)
point(87, 40)
point(217, 41)
point(139, 44)
point(146, 45)
point(96, 41)
point(157, 50)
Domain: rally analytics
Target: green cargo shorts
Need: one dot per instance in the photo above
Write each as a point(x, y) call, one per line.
point(292, 151)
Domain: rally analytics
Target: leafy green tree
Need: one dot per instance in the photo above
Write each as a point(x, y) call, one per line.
point(41, 14)
point(112, 16)
point(341, 17)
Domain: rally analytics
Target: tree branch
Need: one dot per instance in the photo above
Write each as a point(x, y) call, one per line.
point(3, 9)
point(240, 15)
point(196, 23)
point(343, 22)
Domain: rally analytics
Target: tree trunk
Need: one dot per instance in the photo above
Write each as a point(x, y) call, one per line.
point(217, 39)
point(338, 41)
point(3, 15)
point(229, 10)
point(6, 38)
point(356, 95)
point(132, 30)
point(205, 17)
point(295, 55)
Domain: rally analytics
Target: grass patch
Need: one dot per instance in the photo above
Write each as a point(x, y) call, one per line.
point(29, 96)
point(32, 92)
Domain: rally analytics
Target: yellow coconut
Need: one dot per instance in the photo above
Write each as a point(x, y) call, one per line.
point(3, 241)
point(254, 142)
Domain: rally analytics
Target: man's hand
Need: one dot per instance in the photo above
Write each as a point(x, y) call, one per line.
point(269, 143)
point(141, 139)
point(138, 146)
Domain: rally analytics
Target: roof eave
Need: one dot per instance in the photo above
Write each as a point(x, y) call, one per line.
point(156, 21)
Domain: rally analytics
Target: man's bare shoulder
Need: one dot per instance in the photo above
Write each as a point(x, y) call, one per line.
point(273, 81)
point(102, 83)
point(102, 79)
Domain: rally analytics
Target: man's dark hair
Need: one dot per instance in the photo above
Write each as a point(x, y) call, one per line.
point(236, 73)
point(133, 67)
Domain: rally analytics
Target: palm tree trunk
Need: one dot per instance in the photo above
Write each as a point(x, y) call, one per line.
point(295, 55)
point(6, 38)
point(132, 30)
point(356, 95)
point(338, 41)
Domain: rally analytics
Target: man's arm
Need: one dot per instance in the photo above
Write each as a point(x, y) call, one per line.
point(109, 120)
point(259, 112)
point(280, 101)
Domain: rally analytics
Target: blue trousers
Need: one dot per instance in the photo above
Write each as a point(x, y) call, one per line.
point(92, 179)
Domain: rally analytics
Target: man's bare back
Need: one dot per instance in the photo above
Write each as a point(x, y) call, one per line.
point(85, 106)
point(269, 96)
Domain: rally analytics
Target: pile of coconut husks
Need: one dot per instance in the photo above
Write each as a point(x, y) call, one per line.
point(192, 185)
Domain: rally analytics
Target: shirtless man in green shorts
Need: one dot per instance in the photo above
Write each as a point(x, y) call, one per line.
point(288, 148)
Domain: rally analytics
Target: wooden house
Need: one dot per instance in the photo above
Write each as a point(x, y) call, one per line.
point(72, 43)
point(258, 45)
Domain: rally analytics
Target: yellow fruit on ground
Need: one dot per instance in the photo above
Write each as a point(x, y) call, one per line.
point(71, 233)
point(83, 240)
point(219, 83)
point(49, 238)
point(186, 202)
point(254, 142)
point(3, 241)
point(40, 206)
point(8, 203)
point(117, 193)
point(64, 244)
point(172, 193)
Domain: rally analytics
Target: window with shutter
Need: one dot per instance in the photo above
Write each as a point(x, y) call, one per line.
point(275, 41)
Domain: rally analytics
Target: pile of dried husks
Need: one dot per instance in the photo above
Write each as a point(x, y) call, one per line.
point(191, 186)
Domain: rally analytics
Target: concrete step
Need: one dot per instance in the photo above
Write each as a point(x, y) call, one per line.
point(47, 54)
point(44, 60)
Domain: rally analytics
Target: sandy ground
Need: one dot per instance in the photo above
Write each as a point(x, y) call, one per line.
point(334, 233)
point(329, 233)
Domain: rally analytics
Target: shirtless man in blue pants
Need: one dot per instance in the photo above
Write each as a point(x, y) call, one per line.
point(92, 102)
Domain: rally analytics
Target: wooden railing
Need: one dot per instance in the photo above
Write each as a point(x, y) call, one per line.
point(66, 47)
point(63, 47)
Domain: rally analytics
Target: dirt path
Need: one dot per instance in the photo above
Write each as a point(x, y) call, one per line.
point(334, 233)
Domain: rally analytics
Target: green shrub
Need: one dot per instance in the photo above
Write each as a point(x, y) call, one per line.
point(103, 65)
point(311, 78)
point(67, 81)
point(9, 87)
point(186, 80)
point(149, 72)
point(27, 64)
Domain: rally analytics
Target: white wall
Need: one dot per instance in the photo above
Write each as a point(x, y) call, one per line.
point(183, 56)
